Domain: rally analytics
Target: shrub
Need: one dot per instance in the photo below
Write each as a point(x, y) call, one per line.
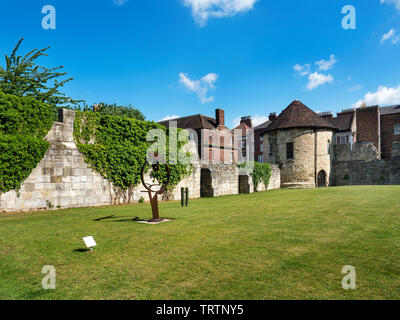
point(24, 122)
point(260, 172)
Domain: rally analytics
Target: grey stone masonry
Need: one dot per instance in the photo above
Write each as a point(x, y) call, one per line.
point(62, 179)
point(360, 165)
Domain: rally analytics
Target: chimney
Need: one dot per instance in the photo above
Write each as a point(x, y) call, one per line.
point(220, 117)
point(326, 114)
point(272, 116)
point(247, 121)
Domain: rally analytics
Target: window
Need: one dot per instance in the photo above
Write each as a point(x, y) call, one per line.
point(231, 156)
point(342, 140)
point(260, 159)
point(329, 146)
point(261, 147)
point(397, 128)
point(338, 140)
point(261, 139)
point(243, 143)
point(289, 150)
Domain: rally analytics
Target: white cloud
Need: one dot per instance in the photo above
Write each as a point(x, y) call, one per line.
point(324, 65)
point(257, 120)
point(391, 34)
point(168, 118)
point(383, 95)
point(355, 88)
point(303, 70)
point(120, 2)
point(201, 86)
point(202, 10)
point(318, 79)
point(395, 2)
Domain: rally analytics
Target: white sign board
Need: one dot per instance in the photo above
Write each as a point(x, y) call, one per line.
point(89, 241)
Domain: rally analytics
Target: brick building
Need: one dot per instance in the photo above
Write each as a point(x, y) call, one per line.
point(258, 138)
point(247, 138)
point(215, 141)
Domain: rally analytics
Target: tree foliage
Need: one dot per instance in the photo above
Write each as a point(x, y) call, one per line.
point(116, 147)
point(116, 110)
point(21, 76)
point(24, 122)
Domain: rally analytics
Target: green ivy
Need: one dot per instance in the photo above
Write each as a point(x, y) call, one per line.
point(116, 147)
point(260, 172)
point(24, 122)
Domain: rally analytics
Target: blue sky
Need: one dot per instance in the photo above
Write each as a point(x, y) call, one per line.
point(181, 57)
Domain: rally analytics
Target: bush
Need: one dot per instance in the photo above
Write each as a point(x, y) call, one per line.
point(19, 155)
point(260, 172)
point(24, 122)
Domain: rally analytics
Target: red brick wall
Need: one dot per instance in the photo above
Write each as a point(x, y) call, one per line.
point(368, 120)
point(257, 143)
point(387, 133)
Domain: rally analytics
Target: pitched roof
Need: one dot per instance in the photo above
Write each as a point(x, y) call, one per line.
point(263, 125)
point(343, 122)
point(297, 115)
point(390, 110)
point(197, 121)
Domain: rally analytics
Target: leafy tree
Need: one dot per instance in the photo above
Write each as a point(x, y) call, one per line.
point(115, 110)
point(23, 77)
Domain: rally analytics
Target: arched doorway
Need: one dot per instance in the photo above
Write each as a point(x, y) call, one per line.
point(322, 179)
point(206, 189)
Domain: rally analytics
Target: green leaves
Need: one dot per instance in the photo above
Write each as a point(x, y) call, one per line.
point(260, 172)
point(24, 78)
point(116, 147)
point(24, 122)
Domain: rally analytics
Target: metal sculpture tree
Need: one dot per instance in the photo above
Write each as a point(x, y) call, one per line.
point(154, 198)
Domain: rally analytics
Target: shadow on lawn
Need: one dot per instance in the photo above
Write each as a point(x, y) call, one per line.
point(114, 218)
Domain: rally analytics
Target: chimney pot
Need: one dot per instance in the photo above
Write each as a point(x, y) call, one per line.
point(272, 116)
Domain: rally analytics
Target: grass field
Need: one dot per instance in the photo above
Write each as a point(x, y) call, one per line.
point(284, 244)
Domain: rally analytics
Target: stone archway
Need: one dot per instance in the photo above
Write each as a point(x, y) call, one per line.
point(322, 179)
point(206, 189)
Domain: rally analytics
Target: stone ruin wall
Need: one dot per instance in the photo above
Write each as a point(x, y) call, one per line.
point(62, 179)
point(360, 164)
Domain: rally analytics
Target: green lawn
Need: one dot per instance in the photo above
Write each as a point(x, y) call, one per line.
point(284, 244)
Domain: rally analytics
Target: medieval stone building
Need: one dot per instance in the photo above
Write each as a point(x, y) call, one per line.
point(299, 141)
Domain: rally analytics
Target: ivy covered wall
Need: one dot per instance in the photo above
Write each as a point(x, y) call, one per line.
point(24, 123)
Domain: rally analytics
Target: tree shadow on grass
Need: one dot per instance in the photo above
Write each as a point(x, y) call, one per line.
point(114, 218)
point(81, 250)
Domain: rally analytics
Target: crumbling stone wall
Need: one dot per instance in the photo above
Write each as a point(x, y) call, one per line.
point(62, 179)
point(361, 165)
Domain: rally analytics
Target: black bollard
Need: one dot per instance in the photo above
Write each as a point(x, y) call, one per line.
point(187, 197)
